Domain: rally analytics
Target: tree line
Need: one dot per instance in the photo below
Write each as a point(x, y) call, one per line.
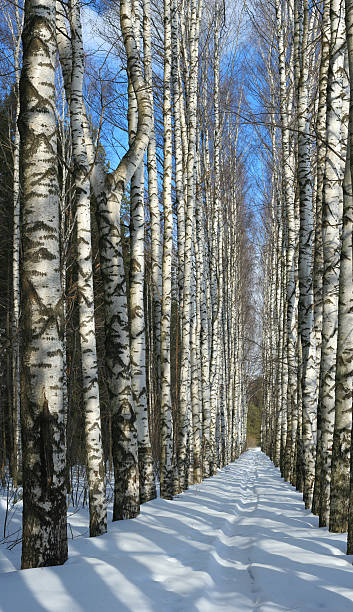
point(126, 311)
point(307, 68)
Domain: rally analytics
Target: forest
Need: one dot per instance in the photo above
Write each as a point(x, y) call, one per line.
point(176, 301)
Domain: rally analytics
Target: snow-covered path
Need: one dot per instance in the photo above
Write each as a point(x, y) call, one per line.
point(240, 541)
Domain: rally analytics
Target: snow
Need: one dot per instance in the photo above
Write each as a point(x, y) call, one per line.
point(240, 541)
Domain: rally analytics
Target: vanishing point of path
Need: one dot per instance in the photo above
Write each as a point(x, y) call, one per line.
point(240, 541)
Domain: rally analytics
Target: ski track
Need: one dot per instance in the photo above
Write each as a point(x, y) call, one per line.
point(239, 541)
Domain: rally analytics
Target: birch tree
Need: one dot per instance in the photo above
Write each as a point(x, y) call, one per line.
point(306, 304)
point(137, 309)
point(343, 385)
point(166, 472)
point(332, 214)
point(289, 198)
point(318, 252)
point(44, 540)
point(340, 476)
point(109, 195)
point(216, 276)
point(95, 464)
point(184, 396)
point(15, 24)
point(109, 190)
point(156, 242)
point(349, 38)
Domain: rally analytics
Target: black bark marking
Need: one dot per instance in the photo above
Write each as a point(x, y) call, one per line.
point(46, 447)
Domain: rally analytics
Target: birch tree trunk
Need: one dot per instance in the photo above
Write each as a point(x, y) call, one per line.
point(156, 242)
point(180, 147)
point(306, 298)
point(215, 256)
point(137, 310)
point(196, 397)
point(349, 37)
point(202, 273)
point(185, 399)
point(167, 472)
point(137, 343)
point(344, 370)
point(16, 394)
point(318, 254)
point(180, 153)
point(94, 450)
point(289, 198)
point(340, 469)
point(65, 139)
point(109, 191)
point(332, 215)
point(44, 539)
point(279, 308)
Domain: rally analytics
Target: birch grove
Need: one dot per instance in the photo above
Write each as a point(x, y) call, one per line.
point(315, 349)
point(176, 202)
point(127, 303)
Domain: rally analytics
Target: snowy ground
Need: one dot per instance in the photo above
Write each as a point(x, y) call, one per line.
point(240, 541)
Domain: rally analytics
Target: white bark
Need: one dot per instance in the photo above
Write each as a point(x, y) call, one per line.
point(184, 398)
point(109, 191)
point(349, 37)
point(179, 116)
point(137, 311)
point(44, 540)
point(215, 250)
point(94, 450)
point(196, 397)
point(318, 254)
point(289, 198)
point(167, 472)
point(204, 356)
point(306, 298)
point(156, 242)
point(340, 473)
point(332, 216)
point(16, 395)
